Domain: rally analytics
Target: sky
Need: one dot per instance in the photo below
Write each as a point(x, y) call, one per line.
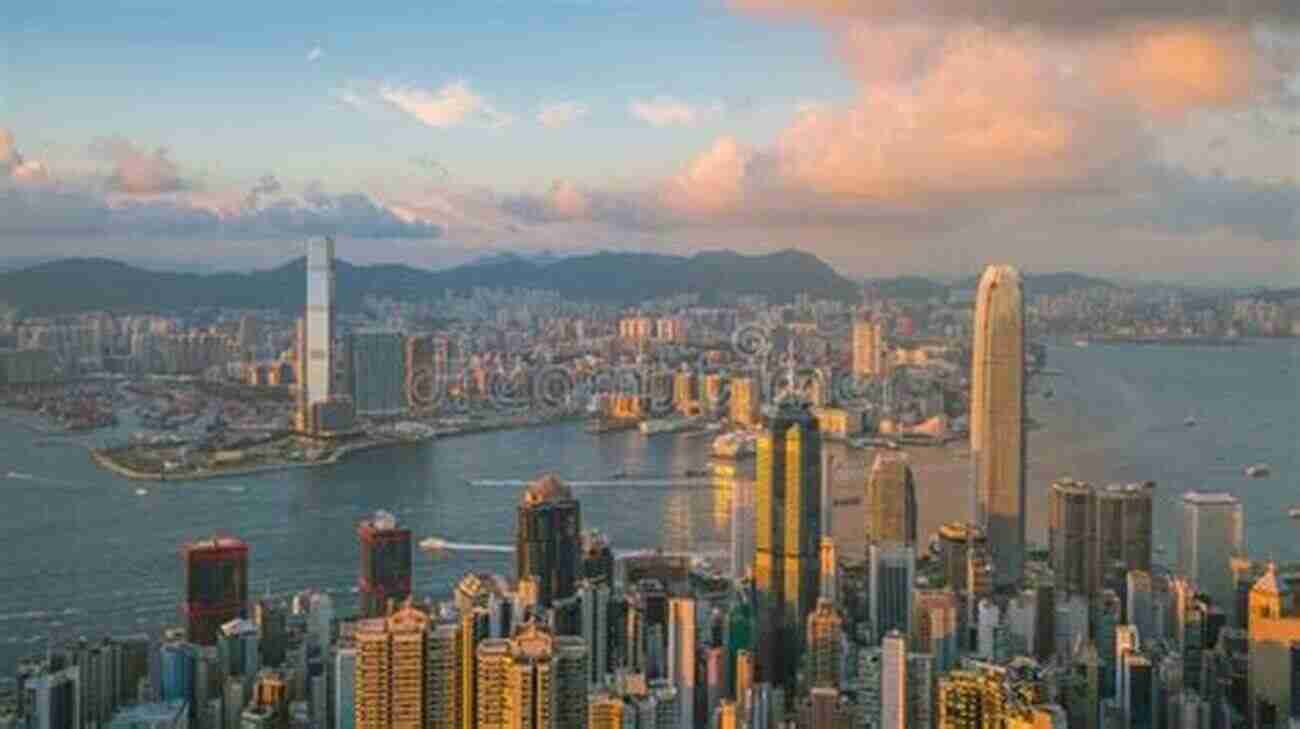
point(1134, 138)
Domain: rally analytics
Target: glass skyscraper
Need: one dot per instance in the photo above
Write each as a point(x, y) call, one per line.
point(788, 535)
point(1210, 536)
point(997, 419)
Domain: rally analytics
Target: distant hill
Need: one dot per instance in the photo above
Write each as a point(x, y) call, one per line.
point(80, 284)
point(907, 287)
point(1048, 284)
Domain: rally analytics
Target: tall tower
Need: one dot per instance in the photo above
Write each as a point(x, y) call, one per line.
point(1124, 527)
point(548, 539)
point(216, 586)
point(385, 563)
point(891, 500)
point(318, 349)
point(893, 681)
point(787, 539)
point(997, 419)
point(1211, 536)
point(681, 655)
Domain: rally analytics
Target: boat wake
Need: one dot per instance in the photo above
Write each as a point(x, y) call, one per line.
point(644, 483)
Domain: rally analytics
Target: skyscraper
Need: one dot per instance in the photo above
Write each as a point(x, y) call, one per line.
point(548, 539)
point(788, 534)
point(216, 586)
point(997, 419)
point(825, 633)
point(891, 572)
point(830, 577)
point(376, 368)
point(1210, 537)
point(891, 500)
point(868, 349)
point(317, 349)
point(392, 683)
point(893, 681)
point(385, 576)
point(681, 655)
point(1071, 536)
point(1124, 527)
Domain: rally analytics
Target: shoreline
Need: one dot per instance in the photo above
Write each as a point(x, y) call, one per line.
point(102, 456)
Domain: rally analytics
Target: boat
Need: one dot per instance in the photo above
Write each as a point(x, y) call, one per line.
point(433, 544)
point(1080, 343)
point(608, 425)
point(1294, 512)
point(1258, 470)
point(141, 492)
point(734, 445)
point(1048, 393)
point(670, 424)
point(1189, 421)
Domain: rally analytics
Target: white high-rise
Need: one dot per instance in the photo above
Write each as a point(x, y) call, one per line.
point(893, 681)
point(997, 419)
point(1211, 536)
point(318, 369)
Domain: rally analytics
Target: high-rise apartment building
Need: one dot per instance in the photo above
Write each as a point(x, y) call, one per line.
point(788, 535)
point(533, 679)
point(824, 645)
point(216, 586)
point(1210, 536)
point(385, 577)
point(997, 419)
point(869, 356)
point(392, 681)
point(548, 539)
point(1274, 635)
point(891, 500)
point(745, 401)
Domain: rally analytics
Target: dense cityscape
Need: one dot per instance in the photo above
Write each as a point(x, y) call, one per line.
point(971, 626)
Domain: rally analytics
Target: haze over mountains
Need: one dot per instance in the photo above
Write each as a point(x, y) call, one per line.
point(78, 284)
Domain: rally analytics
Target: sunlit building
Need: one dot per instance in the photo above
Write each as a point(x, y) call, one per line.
point(997, 419)
point(787, 538)
point(891, 500)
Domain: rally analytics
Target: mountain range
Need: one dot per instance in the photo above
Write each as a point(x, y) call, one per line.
point(80, 284)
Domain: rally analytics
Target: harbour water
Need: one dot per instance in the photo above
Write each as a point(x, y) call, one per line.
point(87, 554)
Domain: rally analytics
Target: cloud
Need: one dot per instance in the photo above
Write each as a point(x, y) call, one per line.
point(349, 97)
point(14, 166)
point(666, 111)
point(560, 113)
point(1069, 15)
point(137, 171)
point(451, 105)
point(266, 185)
point(565, 201)
point(315, 53)
point(713, 182)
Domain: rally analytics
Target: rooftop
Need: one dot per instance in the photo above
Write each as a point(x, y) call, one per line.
point(547, 488)
point(1209, 498)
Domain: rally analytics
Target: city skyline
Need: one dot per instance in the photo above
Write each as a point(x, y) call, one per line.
point(882, 138)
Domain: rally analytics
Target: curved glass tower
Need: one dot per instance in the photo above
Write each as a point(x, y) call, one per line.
point(997, 419)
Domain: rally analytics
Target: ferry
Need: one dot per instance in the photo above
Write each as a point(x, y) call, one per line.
point(1081, 343)
point(1189, 421)
point(433, 544)
point(671, 424)
point(1258, 470)
point(141, 492)
point(1294, 512)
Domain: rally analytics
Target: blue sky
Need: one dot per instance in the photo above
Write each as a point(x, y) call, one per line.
point(885, 135)
point(229, 87)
